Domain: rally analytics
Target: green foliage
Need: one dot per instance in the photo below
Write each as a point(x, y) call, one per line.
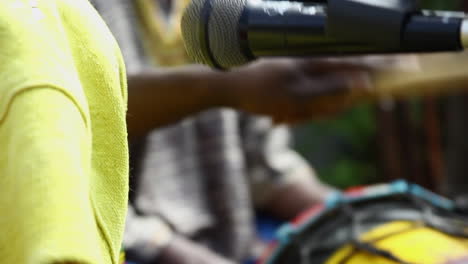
point(342, 149)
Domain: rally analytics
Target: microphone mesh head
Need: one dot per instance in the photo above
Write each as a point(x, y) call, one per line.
point(191, 30)
point(223, 32)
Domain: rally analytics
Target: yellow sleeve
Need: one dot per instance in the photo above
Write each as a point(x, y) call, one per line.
point(46, 215)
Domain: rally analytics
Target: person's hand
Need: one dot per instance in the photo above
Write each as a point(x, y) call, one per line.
point(184, 251)
point(292, 90)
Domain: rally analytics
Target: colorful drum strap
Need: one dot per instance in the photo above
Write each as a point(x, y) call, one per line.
point(317, 234)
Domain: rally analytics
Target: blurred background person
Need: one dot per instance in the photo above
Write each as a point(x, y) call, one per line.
point(196, 183)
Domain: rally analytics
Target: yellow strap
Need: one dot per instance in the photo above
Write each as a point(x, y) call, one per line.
point(122, 257)
point(163, 38)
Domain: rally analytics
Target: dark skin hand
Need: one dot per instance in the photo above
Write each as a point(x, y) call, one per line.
point(296, 90)
point(287, 90)
point(292, 91)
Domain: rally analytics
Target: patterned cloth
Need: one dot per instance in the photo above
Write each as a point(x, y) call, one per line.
point(204, 176)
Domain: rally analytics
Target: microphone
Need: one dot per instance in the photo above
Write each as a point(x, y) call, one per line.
point(230, 33)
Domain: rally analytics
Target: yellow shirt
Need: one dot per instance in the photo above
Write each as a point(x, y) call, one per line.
point(63, 142)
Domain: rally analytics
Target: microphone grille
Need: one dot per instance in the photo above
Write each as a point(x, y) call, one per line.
point(191, 24)
point(222, 30)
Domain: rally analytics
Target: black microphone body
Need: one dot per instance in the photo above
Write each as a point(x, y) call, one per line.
point(301, 29)
point(282, 28)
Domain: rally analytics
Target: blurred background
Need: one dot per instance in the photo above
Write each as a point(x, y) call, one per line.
point(420, 140)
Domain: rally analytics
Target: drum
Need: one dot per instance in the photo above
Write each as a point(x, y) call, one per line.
point(383, 224)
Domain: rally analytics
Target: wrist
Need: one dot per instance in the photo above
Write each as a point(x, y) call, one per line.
point(221, 89)
point(236, 85)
